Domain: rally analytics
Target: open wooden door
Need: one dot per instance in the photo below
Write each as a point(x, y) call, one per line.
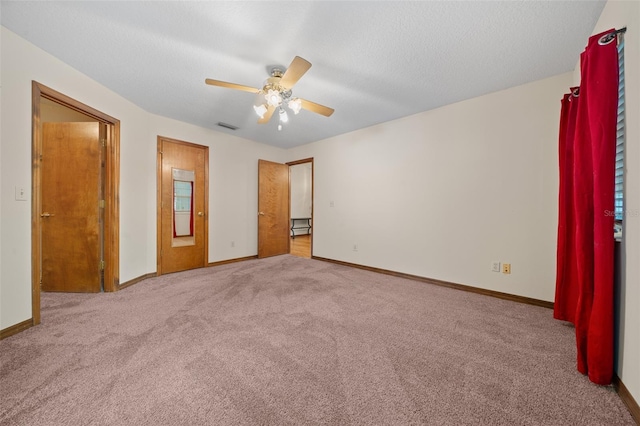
point(71, 168)
point(183, 170)
point(273, 208)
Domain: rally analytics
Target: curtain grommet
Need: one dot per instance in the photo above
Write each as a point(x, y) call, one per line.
point(607, 38)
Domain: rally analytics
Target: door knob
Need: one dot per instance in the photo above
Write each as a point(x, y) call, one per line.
point(261, 213)
point(200, 213)
point(45, 214)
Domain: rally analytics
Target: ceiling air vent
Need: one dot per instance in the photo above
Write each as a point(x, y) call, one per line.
point(227, 126)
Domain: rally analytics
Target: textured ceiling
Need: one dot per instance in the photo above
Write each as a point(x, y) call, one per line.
point(372, 61)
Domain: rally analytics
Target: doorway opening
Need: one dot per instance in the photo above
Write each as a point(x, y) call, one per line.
point(75, 177)
point(279, 228)
point(301, 207)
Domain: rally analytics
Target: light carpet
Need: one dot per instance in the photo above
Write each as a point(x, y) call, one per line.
point(292, 341)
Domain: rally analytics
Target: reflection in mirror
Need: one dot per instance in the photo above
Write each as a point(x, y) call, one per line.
point(183, 215)
point(182, 210)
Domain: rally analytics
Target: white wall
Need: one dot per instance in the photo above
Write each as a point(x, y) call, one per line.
point(443, 193)
point(618, 14)
point(232, 169)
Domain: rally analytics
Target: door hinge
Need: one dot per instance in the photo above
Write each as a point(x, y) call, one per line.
point(102, 265)
point(103, 142)
point(40, 157)
point(160, 152)
point(101, 204)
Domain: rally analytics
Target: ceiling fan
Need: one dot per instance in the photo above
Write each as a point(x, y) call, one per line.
point(277, 93)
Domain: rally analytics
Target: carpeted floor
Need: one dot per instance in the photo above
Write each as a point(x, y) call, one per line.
point(292, 341)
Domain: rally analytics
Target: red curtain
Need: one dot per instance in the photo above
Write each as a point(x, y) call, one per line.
point(587, 146)
point(567, 270)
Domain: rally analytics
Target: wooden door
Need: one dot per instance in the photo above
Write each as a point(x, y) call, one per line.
point(71, 192)
point(182, 188)
point(273, 208)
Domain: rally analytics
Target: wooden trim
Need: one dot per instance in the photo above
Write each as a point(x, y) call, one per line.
point(304, 160)
point(36, 206)
point(161, 139)
point(179, 142)
point(627, 398)
point(485, 292)
point(112, 190)
point(112, 209)
point(16, 328)
point(159, 206)
point(313, 224)
point(136, 280)
point(238, 259)
point(206, 206)
point(69, 102)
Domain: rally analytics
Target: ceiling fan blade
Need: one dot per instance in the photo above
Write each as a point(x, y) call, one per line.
point(231, 85)
point(296, 70)
point(267, 115)
point(317, 108)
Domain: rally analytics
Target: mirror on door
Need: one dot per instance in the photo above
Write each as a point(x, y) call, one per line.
point(183, 214)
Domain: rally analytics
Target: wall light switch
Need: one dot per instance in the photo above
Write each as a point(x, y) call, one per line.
point(21, 193)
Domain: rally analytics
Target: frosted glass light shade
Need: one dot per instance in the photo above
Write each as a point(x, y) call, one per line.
point(283, 116)
point(273, 98)
point(260, 110)
point(295, 105)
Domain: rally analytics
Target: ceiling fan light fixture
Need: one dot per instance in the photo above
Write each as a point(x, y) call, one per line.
point(273, 98)
point(284, 117)
point(276, 93)
point(260, 110)
point(295, 105)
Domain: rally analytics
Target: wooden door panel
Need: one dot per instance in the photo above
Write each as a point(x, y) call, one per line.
point(182, 253)
point(71, 190)
point(273, 208)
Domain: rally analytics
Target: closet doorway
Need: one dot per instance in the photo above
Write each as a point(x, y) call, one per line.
point(75, 169)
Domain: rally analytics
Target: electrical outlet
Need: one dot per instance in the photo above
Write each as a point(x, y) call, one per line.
point(506, 268)
point(495, 266)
